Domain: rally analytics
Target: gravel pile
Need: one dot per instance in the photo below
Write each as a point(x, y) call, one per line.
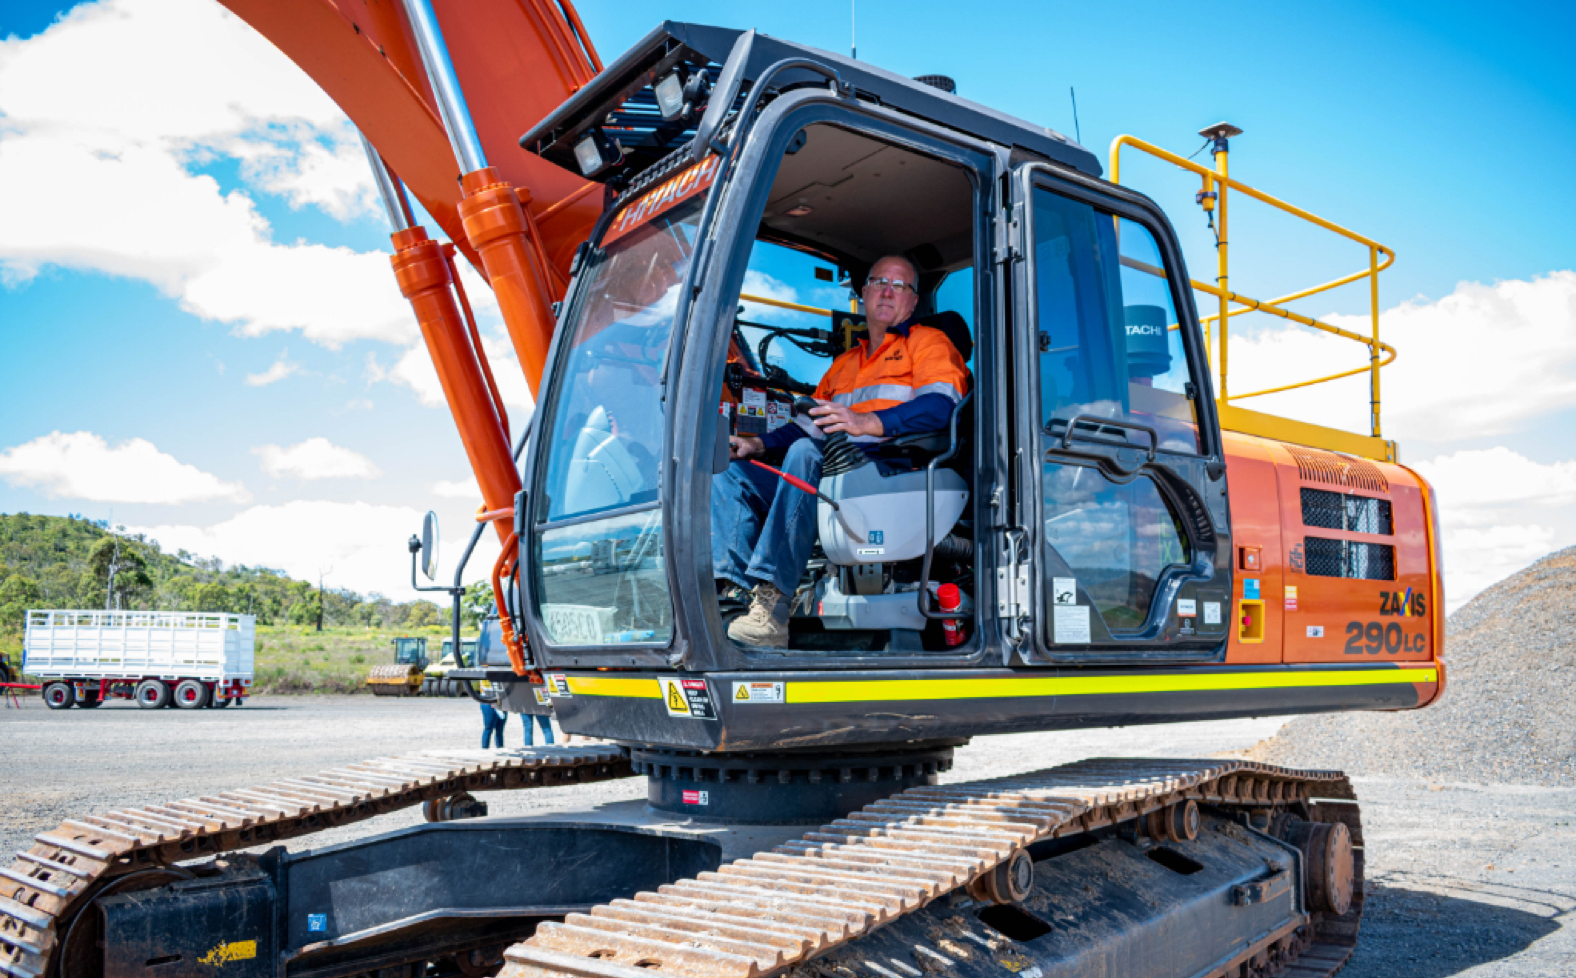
point(1507, 715)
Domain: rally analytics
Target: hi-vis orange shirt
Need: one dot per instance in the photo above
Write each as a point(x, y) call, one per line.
point(912, 361)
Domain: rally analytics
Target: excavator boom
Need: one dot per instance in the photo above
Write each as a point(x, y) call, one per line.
point(365, 56)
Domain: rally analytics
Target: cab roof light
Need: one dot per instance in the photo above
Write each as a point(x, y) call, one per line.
point(670, 95)
point(595, 152)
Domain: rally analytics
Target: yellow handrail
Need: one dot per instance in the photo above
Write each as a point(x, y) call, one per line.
point(783, 304)
point(1213, 197)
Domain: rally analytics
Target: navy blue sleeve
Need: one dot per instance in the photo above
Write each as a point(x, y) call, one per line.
point(784, 436)
point(927, 412)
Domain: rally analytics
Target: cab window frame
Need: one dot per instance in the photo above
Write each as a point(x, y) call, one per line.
point(1125, 647)
point(736, 230)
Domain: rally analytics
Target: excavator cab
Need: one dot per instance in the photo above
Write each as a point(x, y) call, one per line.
point(1072, 511)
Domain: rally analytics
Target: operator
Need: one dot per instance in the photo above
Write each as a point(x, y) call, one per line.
point(762, 529)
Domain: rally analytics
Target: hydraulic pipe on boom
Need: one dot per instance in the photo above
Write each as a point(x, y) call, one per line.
point(492, 211)
point(425, 279)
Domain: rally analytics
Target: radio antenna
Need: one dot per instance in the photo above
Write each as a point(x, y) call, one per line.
point(853, 30)
point(1077, 134)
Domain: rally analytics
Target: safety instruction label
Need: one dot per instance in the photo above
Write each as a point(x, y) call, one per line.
point(1315, 631)
point(1186, 608)
point(688, 698)
point(1070, 624)
point(1064, 590)
point(541, 694)
point(1212, 612)
point(759, 692)
point(1291, 597)
point(1250, 588)
point(697, 798)
point(558, 685)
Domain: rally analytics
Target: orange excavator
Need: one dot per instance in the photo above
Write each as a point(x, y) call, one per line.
point(1097, 537)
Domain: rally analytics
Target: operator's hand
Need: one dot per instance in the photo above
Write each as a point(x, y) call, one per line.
point(836, 417)
point(744, 446)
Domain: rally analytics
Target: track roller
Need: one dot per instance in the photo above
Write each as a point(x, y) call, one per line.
point(1176, 823)
point(462, 805)
point(1009, 882)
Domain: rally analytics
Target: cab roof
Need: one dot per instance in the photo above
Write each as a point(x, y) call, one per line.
point(620, 99)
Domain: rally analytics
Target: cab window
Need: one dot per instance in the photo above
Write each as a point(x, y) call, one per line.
point(1110, 345)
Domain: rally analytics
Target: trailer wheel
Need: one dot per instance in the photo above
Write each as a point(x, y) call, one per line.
point(59, 696)
point(153, 694)
point(191, 694)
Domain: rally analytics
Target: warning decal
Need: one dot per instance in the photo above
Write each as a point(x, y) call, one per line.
point(688, 698)
point(558, 685)
point(697, 798)
point(759, 692)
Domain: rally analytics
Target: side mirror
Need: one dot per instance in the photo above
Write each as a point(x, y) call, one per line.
point(429, 546)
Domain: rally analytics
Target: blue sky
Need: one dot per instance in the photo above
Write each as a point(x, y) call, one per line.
point(219, 321)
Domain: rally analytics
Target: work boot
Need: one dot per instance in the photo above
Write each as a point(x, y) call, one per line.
point(765, 625)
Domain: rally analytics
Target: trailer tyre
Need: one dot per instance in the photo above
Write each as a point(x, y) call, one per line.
point(59, 696)
point(153, 694)
point(191, 694)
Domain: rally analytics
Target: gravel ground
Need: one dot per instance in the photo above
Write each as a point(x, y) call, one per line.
point(1464, 879)
point(1506, 717)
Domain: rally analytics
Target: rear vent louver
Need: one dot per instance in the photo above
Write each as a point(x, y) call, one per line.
point(1338, 470)
point(1349, 559)
point(1338, 511)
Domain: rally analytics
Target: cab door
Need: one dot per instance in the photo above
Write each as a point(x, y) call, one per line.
point(1123, 522)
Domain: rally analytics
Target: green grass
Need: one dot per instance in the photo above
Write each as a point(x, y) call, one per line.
point(292, 659)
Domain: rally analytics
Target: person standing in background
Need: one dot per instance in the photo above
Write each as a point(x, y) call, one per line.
point(546, 723)
point(493, 723)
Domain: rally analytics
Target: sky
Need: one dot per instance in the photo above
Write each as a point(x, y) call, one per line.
point(204, 341)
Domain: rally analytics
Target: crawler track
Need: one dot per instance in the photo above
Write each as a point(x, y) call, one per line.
point(778, 910)
point(47, 887)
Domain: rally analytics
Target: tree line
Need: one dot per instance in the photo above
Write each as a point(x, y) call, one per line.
point(69, 562)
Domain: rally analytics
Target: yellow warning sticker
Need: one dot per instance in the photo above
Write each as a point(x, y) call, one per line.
point(689, 698)
point(223, 954)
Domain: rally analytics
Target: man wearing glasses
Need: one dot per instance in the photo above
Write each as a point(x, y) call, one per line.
point(901, 379)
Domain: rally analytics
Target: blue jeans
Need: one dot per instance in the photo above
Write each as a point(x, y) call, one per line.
point(762, 529)
point(544, 721)
point(493, 723)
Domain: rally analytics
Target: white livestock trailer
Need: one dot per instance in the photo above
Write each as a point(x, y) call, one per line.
point(159, 658)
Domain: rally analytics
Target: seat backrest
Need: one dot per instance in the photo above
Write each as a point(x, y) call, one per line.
point(956, 329)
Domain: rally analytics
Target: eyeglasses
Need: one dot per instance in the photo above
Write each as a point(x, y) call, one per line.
point(895, 284)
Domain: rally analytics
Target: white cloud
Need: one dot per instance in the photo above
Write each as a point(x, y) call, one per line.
point(1479, 362)
point(315, 458)
point(1499, 511)
point(361, 546)
point(457, 488)
point(192, 84)
point(281, 369)
point(82, 465)
point(1472, 481)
